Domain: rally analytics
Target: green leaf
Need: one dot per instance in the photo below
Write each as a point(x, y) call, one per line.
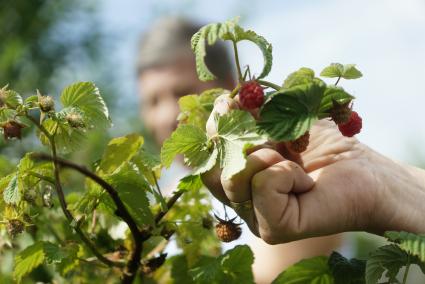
point(236, 133)
point(149, 165)
point(132, 190)
point(411, 243)
point(28, 259)
point(291, 112)
point(119, 151)
point(234, 266)
point(180, 269)
point(302, 76)
point(10, 98)
point(333, 93)
point(195, 109)
point(389, 258)
point(228, 30)
point(190, 182)
point(190, 141)
point(347, 71)
point(6, 114)
point(86, 96)
point(313, 270)
point(11, 194)
point(53, 253)
point(347, 271)
point(31, 101)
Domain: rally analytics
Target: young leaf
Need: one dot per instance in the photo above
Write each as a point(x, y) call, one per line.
point(347, 71)
point(149, 165)
point(86, 96)
point(28, 259)
point(291, 112)
point(6, 114)
point(347, 271)
point(411, 243)
point(11, 194)
point(313, 270)
point(190, 182)
point(236, 132)
point(119, 151)
point(333, 93)
point(190, 141)
point(301, 76)
point(9, 98)
point(388, 258)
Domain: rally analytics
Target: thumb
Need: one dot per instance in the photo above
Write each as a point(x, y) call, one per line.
point(222, 105)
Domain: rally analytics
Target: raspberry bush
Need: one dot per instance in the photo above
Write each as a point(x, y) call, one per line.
point(69, 232)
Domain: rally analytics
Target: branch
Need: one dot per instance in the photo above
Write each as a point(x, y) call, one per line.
point(170, 204)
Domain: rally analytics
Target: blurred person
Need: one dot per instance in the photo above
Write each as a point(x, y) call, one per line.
point(167, 71)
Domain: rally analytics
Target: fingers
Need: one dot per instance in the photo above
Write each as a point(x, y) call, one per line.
point(274, 191)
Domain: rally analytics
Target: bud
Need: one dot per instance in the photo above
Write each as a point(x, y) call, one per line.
point(75, 119)
point(46, 103)
point(12, 129)
point(3, 96)
point(15, 227)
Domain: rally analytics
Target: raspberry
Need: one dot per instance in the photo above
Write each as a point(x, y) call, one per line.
point(46, 103)
point(340, 113)
point(300, 144)
point(15, 227)
point(353, 126)
point(227, 231)
point(251, 95)
point(12, 129)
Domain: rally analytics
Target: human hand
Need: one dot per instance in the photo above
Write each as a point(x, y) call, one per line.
point(338, 184)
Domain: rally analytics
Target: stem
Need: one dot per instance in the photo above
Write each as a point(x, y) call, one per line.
point(157, 185)
point(406, 271)
point(270, 85)
point(170, 204)
point(235, 91)
point(337, 81)
point(238, 66)
point(47, 179)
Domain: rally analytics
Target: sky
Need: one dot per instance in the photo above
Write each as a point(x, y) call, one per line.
point(385, 38)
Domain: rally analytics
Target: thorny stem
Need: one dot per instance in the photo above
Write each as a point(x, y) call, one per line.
point(238, 66)
point(270, 85)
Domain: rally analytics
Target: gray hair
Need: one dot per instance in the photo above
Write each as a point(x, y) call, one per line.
point(169, 39)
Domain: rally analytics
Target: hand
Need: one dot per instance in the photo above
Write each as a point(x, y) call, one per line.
point(336, 185)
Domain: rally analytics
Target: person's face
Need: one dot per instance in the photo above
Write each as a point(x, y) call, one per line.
point(159, 91)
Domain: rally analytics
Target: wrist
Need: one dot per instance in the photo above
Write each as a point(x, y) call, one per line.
point(400, 196)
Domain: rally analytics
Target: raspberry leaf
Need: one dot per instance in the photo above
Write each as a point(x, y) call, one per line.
point(387, 261)
point(236, 132)
point(347, 271)
point(10, 98)
point(302, 76)
point(11, 194)
point(289, 113)
point(347, 71)
point(190, 182)
point(86, 97)
point(411, 243)
point(28, 259)
point(313, 270)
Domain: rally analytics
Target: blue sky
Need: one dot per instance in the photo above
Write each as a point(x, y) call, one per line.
point(385, 38)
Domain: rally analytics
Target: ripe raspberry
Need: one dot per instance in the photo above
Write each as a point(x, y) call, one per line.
point(46, 103)
point(300, 144)
point(15, 227)
point(353, 126)
point(251, 95)
point(340, 113)
point(227, 231)
point(12, 129)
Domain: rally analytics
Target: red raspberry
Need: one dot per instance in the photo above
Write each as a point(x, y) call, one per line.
point(12, 129)
point(353, 126)
point(300, 144)
point(251, 95)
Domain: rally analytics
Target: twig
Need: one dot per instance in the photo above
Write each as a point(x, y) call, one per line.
point(170, 204)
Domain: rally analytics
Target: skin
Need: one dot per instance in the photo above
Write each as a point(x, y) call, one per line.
point(337, 185)
point(159, 90)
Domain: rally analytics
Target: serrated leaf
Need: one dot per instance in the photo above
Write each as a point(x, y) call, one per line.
point(190, 182)
point(389, 259)
point(86, 96)
point(180, 269)
point(333, 93)
point(347, 71)
point(119, 151)
point(27, 260)
point(11, 194)
point(291, 112)
point(236, 133)
point(301, 76)
point(149, 165)
point(228, 30)
point(10, 98)
point(190, 141)
point(6, 114)
point(411, 243)
point(347, 271)
point(53, 253)
point(195, 109)
point(132, 190)
point(313, 270)
point(31, 101)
